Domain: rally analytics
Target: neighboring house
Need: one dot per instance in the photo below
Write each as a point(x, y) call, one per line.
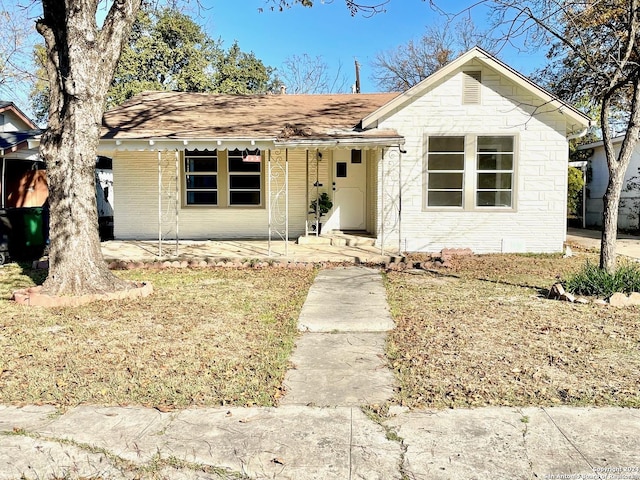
point(22, 179)
point(475, 156)
point(597, 179)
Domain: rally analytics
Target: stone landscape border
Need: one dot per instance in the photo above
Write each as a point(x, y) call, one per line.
point(33, 296)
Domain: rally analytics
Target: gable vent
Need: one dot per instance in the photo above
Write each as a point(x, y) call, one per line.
point(471, 88)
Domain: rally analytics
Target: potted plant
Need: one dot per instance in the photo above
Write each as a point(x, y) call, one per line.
point(320, 207)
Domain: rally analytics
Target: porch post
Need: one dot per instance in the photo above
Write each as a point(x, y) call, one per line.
point(382, 196)
point(177, 199)
point(269, 202)
point(286, 201)
point(278, 215)
point(399, 200)
point(159, 204)
point(307, 200)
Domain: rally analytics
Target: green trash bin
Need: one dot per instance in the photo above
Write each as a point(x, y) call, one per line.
point(33, 232)
point(27, 236)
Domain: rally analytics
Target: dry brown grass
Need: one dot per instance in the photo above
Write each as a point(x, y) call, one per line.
point(205, 337)
point(482, 333)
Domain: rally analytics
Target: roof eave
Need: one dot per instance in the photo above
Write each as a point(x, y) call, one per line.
point(20, 114)
point(161, 143)
point(358, 142)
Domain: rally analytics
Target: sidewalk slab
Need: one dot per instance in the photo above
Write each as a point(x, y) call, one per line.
point(573, 440)
point(338, 369)
point(28, 417)
point(482, 444)
point(131, 433)
point(294, 443)
point(511, 443)
point(286, 443)
point(25, 457)
point(350, 299)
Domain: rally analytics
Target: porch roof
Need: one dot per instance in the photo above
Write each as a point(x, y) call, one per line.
point(279, 120)
point(13, 141)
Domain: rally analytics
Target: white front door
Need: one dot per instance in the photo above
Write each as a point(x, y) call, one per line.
point(349, 189)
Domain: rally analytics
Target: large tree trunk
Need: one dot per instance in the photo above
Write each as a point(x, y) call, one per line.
point(81, 61)
point(617, 165)
point(610, 219)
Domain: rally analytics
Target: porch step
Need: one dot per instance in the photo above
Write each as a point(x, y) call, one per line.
point(338, 239)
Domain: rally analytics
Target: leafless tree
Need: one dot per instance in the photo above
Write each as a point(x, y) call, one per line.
point(369, 8)
point(17, 37)
point(306, 74)
point(408, 64)
point(594, 48)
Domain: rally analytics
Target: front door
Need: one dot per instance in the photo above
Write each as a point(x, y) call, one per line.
point(349, 189)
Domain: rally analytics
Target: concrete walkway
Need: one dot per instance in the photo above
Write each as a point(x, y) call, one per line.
point(334, 442)
point(339, 360)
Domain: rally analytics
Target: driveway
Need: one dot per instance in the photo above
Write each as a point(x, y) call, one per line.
point(627, 245)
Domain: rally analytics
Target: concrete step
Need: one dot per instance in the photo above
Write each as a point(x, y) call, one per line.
point(337, 239)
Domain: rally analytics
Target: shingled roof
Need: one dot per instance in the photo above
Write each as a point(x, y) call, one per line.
point(12, 141)
point(179, 115)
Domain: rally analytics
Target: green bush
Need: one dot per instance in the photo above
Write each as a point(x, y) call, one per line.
point(592, 280)
point(575, 182)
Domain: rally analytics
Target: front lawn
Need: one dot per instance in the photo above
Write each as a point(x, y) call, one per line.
point(205, 337)
point(482, 333)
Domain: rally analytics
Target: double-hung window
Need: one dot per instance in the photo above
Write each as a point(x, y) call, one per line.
point(245, 177)
point(445, 171)
point(470, 172)
point(494, 169)
point(223, 179)
point(201, 170)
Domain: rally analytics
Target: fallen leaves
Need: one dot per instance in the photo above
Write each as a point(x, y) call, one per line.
point(208, 337)
point(484, 337)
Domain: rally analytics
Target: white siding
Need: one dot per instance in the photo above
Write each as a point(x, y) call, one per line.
point(10, 122)
point(135, 176)
point(598, 177)
point(136, 205)
point(537, 224)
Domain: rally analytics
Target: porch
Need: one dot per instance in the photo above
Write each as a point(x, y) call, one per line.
point(336, 247)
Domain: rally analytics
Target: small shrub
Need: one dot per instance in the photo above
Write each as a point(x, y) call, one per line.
point(594, 281)
point(575, 183)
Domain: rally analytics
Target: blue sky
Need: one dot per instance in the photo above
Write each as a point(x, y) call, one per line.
point(328, 30)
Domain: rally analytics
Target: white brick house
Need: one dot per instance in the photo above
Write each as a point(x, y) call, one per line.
point(475, 156)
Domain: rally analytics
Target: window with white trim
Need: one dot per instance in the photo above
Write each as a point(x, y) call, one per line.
point(469, 172)
point(201, 171)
